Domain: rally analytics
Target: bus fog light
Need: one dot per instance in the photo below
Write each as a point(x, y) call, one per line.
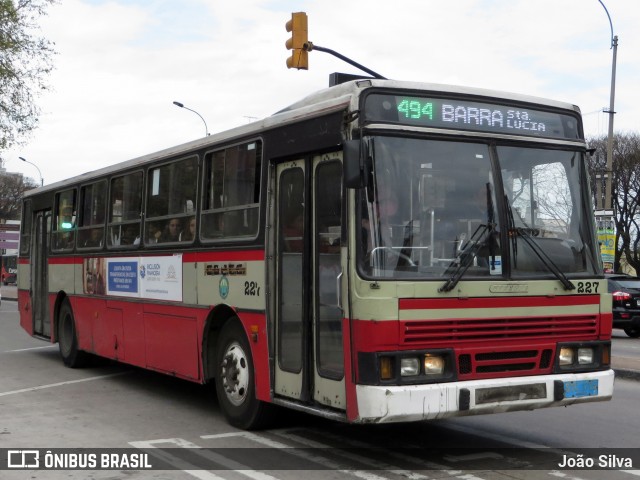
point(433, 365)
point(585, 356)
point(409, 367)
point(566, 356)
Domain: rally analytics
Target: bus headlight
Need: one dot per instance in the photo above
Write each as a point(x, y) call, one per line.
point(406, 367)
point(585, 356)
point(409, 367)
point(565, 356)
point(433, 364)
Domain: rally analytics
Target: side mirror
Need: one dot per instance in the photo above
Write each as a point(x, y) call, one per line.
point(352, 164)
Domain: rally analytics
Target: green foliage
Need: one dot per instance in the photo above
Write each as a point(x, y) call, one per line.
point(12, 188)
point(25, 64)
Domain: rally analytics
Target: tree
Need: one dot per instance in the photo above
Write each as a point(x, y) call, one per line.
point(625, 186)
point(25, 63)
point(12, 188)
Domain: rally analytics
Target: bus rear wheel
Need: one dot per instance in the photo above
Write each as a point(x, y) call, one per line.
point(235, 380)
point(68, 339)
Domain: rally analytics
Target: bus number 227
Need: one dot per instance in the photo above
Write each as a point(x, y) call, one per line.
point(251, 289)
point(588, 287)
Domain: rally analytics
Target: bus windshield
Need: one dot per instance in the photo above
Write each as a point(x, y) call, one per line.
point(441, 209)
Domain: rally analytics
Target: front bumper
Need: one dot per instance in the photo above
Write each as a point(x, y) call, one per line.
point(386, 404)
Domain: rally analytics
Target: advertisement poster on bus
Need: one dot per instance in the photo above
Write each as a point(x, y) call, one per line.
point(157, 278)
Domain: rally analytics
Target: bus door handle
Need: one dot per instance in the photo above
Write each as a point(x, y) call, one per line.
point(339, 290)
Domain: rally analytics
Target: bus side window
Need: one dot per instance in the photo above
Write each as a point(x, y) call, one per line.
point(170, 192)
point(125, 211)
point(65, 221)
point(232, 192)
point(92, 215)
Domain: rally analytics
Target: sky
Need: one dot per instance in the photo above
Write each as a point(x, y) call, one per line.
point(122, 63)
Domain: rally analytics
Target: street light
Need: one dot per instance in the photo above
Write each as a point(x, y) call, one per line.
point(39, 173)
point(609, 172)
point(181, 105)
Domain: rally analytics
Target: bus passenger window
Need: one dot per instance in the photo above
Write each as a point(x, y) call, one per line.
point(125, 211)
point(65, 222)
point(170, 205)
point(232, 192)
point(92, 215)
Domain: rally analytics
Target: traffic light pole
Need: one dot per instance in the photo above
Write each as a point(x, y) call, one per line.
point(308, 46)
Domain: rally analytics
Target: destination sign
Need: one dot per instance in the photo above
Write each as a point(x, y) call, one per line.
point(460, 114)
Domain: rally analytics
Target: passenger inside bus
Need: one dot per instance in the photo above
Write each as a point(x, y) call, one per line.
point(171, 231)
point(94, 239)
point(189, 233)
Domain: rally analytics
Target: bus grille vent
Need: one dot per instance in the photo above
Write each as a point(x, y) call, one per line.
point(484, 363)
point(545, 360)
point(437, 332)
point(464, 364)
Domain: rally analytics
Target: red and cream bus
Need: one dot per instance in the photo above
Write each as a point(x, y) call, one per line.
point(380, 251)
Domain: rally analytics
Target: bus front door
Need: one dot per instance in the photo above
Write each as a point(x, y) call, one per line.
point(308, 267)
point(40, 274)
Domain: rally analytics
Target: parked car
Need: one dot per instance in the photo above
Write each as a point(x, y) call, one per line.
point(626, 303)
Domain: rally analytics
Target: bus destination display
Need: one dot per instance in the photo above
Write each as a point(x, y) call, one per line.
point(467, 115)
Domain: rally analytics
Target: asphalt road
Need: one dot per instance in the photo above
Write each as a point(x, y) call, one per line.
point(44, 405)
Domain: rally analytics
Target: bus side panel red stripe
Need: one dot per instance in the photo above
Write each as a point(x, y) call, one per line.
point(493, 302)
point(222, 256)
point(65, 260)
point(259, 351)
point(24, 303)
point(187, 257)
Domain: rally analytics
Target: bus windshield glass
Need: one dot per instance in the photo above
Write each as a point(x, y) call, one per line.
point(437, 209)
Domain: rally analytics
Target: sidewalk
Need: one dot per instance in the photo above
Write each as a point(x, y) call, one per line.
point(625, 367)
point(9, 292)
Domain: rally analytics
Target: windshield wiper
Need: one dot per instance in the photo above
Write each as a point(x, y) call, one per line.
point(544, 258)
point(483, 235)
point(465, 257)
point(515, 232)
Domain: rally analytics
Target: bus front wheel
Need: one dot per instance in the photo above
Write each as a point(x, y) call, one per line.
point(67, 338)
point(235, 380)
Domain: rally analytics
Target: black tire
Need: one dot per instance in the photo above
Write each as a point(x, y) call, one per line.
point(235, 380)
point(632, 332)
point(68, 339)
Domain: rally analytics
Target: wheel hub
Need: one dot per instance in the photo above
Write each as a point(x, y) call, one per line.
point(235, 374)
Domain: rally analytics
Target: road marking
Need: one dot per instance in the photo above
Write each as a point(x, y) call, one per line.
point(401, 457)
point(198, 450)
point(61, 384)
point(29, 349)
point(304, 454)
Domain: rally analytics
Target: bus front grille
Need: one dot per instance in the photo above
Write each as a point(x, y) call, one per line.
point(515, 362)
point(443, 332)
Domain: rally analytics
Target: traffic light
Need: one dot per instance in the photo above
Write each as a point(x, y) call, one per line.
point(298, 27)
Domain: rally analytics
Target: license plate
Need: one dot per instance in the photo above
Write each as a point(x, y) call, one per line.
point(580, 388)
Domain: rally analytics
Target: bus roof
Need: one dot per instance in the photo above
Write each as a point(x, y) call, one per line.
point(316, 104)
